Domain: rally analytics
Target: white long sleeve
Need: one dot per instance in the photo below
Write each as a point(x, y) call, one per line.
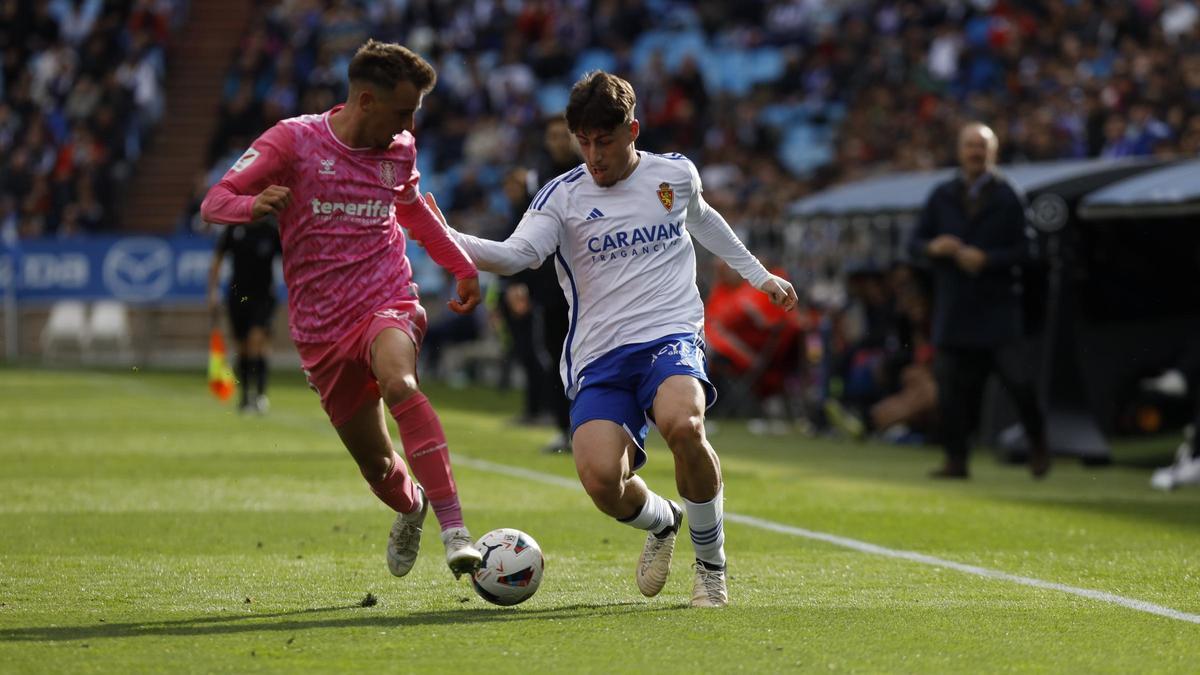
point(712, 231)
point(535, 238)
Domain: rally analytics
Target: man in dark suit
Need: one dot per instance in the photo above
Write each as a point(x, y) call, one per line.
point(973, 234)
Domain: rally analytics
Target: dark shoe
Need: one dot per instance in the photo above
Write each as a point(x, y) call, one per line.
point(1039, 460)
point(950, 470)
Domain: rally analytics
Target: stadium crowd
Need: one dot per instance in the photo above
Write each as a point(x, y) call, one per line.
point(81, 89)
point(772, 99)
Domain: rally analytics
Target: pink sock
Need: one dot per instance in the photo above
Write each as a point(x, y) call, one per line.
point(425, 446)
point(396, 489)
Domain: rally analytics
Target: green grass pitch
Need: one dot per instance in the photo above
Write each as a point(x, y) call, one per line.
point(146, 527)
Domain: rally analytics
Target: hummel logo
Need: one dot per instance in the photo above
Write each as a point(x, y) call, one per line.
point(594, 215)
point(327, 167)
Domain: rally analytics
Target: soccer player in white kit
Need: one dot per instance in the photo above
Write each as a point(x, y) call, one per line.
point(618, 227)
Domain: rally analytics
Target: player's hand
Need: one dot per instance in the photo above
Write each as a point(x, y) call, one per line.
point(468, 296)
point(970, 259)
point(944, 246)
point(780, 291)
point(274, 199)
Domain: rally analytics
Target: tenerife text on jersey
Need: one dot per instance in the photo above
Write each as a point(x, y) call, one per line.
point(368, 209)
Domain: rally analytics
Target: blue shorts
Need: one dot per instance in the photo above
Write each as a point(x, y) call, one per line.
point(620, 386)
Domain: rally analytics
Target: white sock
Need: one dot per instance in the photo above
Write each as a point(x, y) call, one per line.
point(655, 516)
point(706, 522)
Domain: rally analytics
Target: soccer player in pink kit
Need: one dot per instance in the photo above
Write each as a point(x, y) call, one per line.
point(341, 183)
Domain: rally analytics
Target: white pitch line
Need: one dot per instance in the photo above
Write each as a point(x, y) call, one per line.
point(867, 547)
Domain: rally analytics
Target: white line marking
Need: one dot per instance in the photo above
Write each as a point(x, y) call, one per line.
point(866, 547)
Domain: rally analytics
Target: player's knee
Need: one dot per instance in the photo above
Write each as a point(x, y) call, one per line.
point(603, 487)
point(398, 389)
point(685, 434)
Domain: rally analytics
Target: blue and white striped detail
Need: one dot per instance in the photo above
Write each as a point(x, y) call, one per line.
point(674, 156)
point(594, 215)
point(708, 536)
point(573, 321)
point(543, 195)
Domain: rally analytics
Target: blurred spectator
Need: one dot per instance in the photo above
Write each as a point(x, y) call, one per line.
point(81, 87)
point(972, 232)
point(753, 345)
point(909, 411)
point(779, 97)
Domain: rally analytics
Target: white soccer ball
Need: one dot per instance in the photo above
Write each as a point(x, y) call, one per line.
point(511, 569)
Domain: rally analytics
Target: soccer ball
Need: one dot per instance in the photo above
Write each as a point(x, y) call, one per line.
point(511, 569)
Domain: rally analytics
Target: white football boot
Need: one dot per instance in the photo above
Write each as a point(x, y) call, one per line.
point(709, 588)
point(461, 555)
point(404, 541)
point(1185, 470)
point(655, 563)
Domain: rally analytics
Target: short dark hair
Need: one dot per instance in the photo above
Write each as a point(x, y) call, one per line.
point(600, 101)
point(386, 65)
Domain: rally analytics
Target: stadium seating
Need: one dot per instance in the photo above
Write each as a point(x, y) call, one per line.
point(109, 335)
point(66, 332)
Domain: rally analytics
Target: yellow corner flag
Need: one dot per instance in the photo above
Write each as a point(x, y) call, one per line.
point(220, 377)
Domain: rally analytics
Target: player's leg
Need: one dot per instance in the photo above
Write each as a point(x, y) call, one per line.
point(605, 455)
point(240, 328)
point(256, 348)
point(1016, 376)
point(365, 435)
point(394, 364)
point(679, 406)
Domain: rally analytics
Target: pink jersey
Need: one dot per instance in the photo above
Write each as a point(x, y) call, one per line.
point(343, 249)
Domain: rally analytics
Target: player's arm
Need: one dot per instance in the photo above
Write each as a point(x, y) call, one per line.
point(430, 230)
point(535, 238)
point(712, 231)
point(252, 188)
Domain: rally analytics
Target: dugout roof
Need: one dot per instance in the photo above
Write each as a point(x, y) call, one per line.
point(1166, 192)
point(906, 192)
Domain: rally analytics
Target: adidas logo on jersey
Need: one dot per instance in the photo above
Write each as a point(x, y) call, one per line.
point(594, 215)
point(370, 209)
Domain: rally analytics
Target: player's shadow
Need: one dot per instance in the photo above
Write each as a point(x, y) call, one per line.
point(294, 621)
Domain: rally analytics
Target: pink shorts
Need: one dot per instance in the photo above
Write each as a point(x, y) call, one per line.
point(340, 372)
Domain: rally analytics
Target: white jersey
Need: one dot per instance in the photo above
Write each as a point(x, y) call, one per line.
point(625, 261)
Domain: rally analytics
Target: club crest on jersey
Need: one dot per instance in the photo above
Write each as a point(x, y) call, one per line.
point(666, 195)
point(387, 174)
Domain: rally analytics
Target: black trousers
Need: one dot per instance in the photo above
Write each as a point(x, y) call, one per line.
point(555, 326)
point(961, 377)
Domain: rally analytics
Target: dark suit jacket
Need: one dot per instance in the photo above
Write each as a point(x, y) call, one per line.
point(981, 311)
